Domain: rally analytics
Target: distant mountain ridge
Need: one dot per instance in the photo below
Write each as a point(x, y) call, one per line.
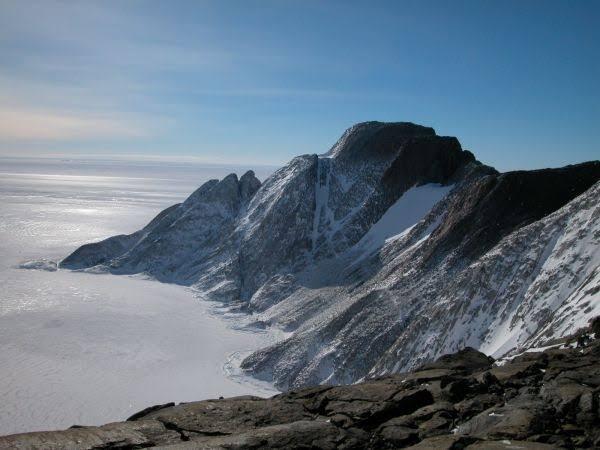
point(391, 249)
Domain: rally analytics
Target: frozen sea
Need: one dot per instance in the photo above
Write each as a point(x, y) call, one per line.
point(88, 349)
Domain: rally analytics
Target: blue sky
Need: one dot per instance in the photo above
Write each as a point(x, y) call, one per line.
point(261, 81)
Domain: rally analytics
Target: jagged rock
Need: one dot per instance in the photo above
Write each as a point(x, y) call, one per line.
point(296, 435)
point(399, 411)
point(517, 370)
point(595, 327)
point(150, 409)
point(392, 435)
point(467, 359)
point(110, 436)
point(521, 418)
point(248, 185)
point(239, 413)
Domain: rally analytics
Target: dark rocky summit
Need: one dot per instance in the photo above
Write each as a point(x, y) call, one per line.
point(495, 205)
point(537, 400)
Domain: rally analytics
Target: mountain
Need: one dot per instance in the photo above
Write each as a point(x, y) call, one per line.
point(395, 247)
point(536, 401)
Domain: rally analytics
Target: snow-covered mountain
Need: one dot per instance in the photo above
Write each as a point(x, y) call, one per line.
point(391, 249)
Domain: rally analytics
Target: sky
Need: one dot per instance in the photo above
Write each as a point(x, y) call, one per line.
point(258, 82)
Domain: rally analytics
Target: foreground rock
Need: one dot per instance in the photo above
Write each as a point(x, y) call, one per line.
point(540, 400)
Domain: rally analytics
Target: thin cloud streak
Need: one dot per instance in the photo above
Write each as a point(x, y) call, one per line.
point(210, 158)
point(32, 125)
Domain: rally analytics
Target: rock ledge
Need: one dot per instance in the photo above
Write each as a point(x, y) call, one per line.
point(537, 400)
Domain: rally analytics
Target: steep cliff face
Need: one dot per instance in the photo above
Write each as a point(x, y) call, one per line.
point(182, 241)
point(391, 249)
point(433, 290)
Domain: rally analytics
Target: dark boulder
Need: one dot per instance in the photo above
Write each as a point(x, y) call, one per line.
point(467, 359)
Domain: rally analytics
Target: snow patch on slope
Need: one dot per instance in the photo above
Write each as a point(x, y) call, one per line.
point(404, 214)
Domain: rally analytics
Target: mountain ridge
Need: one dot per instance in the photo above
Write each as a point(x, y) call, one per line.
point(376, 254)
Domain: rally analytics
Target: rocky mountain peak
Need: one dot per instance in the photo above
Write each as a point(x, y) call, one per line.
point(199, 193)
point(226, 190)
point(231, 191)
point(427, 159)
point(248, 185)
point(393, 248)
point(375, 140)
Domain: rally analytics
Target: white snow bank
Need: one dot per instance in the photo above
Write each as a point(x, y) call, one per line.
point(404, 214)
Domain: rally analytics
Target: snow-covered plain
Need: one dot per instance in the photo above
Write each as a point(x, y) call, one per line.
point(79, 348)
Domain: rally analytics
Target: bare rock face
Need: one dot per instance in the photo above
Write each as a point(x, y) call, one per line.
point(538, 400)
point(248, 185)
point(162, 249)
point(467, 359)
point(494, 206)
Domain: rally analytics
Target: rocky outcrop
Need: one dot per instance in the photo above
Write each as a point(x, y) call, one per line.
point(537, 400)
point(494, 206)
point(182, 241)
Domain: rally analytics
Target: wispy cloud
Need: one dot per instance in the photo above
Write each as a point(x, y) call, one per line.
point(33, 125)
point(87, 71)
